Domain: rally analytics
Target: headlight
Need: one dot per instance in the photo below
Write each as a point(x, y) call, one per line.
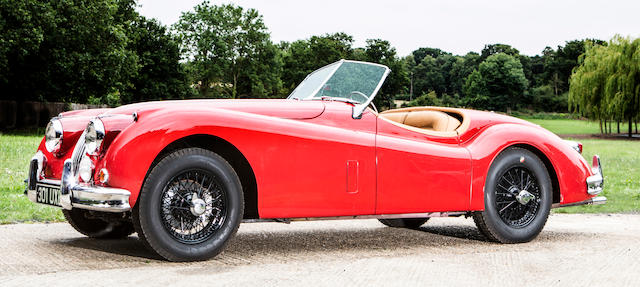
point(93, 136)
point(85, 169)
point(53, 136)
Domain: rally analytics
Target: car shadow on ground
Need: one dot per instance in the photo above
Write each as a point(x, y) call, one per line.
point(282, 242)
point(462, 232)
point(130, 246)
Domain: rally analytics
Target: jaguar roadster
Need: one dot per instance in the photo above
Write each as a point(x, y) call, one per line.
point(185, 174)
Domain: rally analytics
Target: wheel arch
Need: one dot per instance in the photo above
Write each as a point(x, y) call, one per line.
point(555, 183)
point(231, 154)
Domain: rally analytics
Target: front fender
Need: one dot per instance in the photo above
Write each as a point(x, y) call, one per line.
point(130, 155)
point(569, 166)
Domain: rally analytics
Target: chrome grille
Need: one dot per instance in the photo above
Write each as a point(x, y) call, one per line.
point(78, 152)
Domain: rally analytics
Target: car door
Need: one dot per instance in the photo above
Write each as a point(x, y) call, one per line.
point(322, 167)
point(419, 173)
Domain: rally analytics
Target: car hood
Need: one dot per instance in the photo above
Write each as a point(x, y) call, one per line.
point(281, 108)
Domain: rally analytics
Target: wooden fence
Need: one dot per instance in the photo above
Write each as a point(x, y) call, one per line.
point(20, 115)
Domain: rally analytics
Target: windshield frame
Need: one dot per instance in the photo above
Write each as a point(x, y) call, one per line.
point(338, 64)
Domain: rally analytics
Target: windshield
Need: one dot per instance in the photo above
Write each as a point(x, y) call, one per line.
point(351, 80)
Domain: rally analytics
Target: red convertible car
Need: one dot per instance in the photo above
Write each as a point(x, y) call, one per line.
point(185, 174)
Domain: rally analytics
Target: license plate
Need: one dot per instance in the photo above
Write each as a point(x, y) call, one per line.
point(48, 194)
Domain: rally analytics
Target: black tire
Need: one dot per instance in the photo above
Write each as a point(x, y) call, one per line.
point(506, 218)
point(411, 223)
point(92, 226)
point(167, 201)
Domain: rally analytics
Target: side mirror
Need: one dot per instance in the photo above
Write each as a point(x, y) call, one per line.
point(358, 110)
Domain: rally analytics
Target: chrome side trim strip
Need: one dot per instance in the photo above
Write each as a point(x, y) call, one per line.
point(593, 201)
point(376, 216)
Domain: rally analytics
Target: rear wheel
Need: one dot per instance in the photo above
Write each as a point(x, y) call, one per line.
point(91, 224)
point(517, 198)
point(411, 223)
point(190, 205)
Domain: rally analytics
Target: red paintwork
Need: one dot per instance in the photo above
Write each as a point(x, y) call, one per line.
point(311, 159)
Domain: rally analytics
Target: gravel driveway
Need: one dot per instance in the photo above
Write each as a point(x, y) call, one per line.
point(573, 250)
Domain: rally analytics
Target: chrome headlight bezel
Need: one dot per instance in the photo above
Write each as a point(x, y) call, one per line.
point(94, 136)
point(53, 136)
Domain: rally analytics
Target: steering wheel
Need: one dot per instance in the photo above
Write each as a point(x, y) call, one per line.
point(359, 94)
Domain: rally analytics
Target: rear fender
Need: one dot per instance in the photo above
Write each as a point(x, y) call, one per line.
point(569, 166)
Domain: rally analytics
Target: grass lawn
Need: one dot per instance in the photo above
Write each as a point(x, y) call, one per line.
point(569, 126)
point(620, 159)
point(621, 168)
point(15, 153)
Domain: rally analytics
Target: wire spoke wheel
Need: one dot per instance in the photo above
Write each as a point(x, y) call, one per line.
point(517, 197)
point(193, 206)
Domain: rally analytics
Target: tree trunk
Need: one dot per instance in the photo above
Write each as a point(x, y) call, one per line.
point(630, 124)
point(235, 81)
point(601, 132)
point(618, 123)
point(636, 127)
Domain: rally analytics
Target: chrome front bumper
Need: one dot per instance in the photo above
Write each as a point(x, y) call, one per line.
point(74, 194)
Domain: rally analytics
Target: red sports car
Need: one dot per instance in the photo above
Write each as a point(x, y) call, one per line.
point(185, 174)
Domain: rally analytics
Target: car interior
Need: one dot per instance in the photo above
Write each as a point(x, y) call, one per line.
point(437, 121)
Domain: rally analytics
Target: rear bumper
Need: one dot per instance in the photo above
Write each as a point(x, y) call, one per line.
point(74, 194)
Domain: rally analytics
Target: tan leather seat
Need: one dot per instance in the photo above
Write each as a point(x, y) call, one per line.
point(429, 120)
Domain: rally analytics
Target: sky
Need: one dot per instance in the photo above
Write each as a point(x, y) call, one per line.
point(455, 26)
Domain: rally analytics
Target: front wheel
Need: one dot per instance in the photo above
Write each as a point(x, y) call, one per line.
point(190, 205)
point(517, 198)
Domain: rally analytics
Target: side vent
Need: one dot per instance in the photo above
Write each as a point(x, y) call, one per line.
point(352, 176)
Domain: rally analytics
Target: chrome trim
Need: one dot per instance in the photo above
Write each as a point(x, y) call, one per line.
point(78, 153)
point(595, 181)
point(592, 201)
point(83, 196)
point(574, 145)
point(56, 125)
point(377, 216)
point(68, 180)
point(97, 126)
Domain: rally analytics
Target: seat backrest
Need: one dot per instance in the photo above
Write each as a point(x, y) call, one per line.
point(433, 120)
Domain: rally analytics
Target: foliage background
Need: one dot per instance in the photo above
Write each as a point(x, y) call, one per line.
point(104, 52)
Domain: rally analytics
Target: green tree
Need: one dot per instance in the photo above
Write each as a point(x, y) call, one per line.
point(160, 74)
point(381, 52)
point(606, 84)
point(305, 56)
point(230, 51)
point(460, 70)
point(498, 84)
point(492, 49)
point(63, 50)
point(428, 99)
point(429, 76)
